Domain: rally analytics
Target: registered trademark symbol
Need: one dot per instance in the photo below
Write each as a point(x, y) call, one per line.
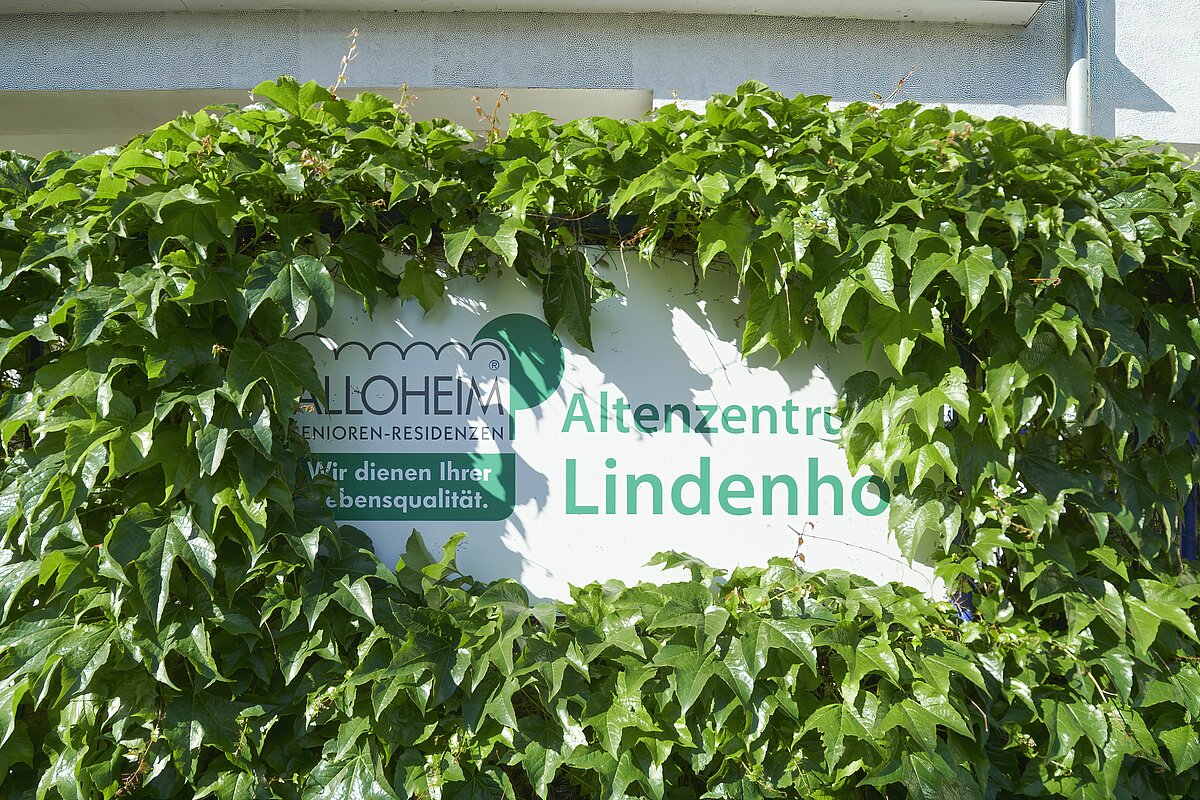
point(494, 364)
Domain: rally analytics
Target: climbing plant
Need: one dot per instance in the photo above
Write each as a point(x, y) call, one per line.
point(180, 615)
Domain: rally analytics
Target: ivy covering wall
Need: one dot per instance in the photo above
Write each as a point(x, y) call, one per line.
point(180, 616)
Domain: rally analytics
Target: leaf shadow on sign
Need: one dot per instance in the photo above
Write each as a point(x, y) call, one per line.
point(638, 348)
point(665, 300)
point(638, 355)
point(530, 484)
point(489, 544)
point(668, 339)
point(680, 315)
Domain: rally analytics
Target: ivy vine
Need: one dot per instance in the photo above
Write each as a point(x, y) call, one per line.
point(180, 616)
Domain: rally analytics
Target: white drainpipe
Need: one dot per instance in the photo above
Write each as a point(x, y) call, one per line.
point(1079, 72)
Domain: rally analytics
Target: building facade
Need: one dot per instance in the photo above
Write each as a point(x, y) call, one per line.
point(987, 56)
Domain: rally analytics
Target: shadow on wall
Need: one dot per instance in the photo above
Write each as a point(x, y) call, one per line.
point(988, 76)
point(1113, 84)
point(959, 65)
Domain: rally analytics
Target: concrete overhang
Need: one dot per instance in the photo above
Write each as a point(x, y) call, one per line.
point(982, 12)
point(36, 122)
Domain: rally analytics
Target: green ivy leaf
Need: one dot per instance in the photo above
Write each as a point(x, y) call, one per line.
point(974, 272)
point(152, 544)
point(360, 256)
point(914, 718)
point(426, 285)
point(876, 276)
point(835, 722)
point(833, 304)
point(728, 230)
point(566, 298)
point(1069, 722)
point(498, 234)
point(1184, 745)
point(284, 366)
point(770, 319)
point(359, 777)
point(296, 284)
point(921, 521)
point(198, 720)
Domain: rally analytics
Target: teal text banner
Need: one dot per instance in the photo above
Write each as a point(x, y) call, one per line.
point(419, 486)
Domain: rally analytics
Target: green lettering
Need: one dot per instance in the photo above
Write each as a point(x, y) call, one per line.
point(610, 487)
point(643, 415)
point(815, 482)
point(682, 412)
point(619, 409)
point(706, 413)
point(810, 414)
point(703, 505)
point(829, 429)
point(577, 411)
point(632, 482)
point(856, 495)
point(727, 493)
point(793, 493)
point(789, 410)
point(758, 413)
point(572, 506)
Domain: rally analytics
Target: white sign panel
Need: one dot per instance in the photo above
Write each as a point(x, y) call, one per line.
point(567, 466)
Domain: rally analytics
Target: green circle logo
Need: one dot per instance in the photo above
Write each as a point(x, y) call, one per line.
point(537, 357)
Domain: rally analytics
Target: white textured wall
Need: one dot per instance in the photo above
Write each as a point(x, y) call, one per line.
point(1146, 60)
